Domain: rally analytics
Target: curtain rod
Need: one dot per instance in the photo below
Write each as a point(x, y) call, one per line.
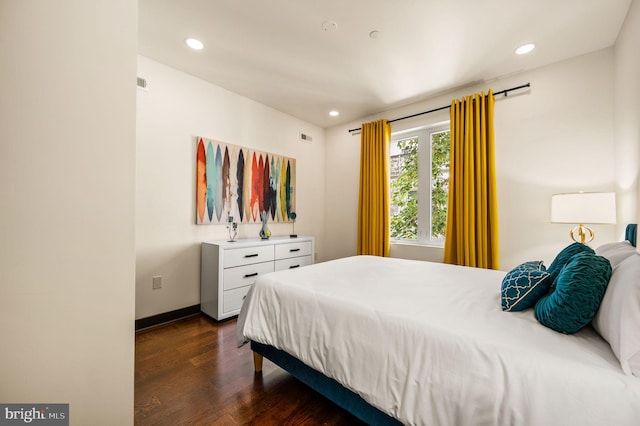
point(502, 92)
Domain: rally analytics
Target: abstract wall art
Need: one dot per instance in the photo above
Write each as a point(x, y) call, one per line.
point(242, 183)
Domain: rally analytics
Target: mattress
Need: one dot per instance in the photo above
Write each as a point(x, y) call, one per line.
point(428, 344)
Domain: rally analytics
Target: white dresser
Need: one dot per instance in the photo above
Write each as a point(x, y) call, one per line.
point(228, 269)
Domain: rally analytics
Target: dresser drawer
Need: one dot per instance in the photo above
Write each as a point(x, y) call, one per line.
point(247, 255)
point(241, 276)
point(293, 262)
point(284, 251)
point(232, 299)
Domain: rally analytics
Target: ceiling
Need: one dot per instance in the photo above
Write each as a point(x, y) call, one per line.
point(277, 53)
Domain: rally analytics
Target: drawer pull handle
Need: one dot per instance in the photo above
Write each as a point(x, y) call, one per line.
point(292, 250)
point(255, 274)
point(251, 255)
point(294, 266)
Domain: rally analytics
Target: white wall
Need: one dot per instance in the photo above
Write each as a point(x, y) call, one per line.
point(627, 117)
point(67, 257)
point(177, 108)
point(555, 137)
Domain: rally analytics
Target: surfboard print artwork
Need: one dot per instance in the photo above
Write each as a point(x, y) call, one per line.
point(242, 183)
point(201, 181)
point(212, 179)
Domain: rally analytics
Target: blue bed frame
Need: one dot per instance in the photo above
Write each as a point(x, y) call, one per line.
point(322, 384)
point(333, 390)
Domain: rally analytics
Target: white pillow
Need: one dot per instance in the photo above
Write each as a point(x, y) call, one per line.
point(618, 318)
point(616, 252)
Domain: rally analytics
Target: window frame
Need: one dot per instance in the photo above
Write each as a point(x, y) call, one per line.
point(425, 205)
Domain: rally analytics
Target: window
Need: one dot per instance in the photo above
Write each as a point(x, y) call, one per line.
point(419, 184)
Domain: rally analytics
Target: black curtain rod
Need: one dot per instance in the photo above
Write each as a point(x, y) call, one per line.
point(502, 92)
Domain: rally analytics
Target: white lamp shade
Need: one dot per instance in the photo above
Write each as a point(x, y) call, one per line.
point(584, 207)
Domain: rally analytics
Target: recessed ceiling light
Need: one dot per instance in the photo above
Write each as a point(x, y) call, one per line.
point(525, 48)
point(194, 44)
point(334, 113)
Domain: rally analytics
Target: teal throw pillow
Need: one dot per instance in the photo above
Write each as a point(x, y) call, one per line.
point(564, 257)
point(524, 285)
point(579, 289)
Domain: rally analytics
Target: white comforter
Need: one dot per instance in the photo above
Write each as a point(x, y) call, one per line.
point(428, 344)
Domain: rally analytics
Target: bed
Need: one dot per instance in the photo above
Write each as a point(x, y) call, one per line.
point(410, 342)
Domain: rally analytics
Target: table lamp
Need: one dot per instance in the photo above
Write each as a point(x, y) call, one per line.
point(582, 208)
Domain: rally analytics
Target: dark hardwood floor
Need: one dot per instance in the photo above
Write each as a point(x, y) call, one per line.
point(190, 372)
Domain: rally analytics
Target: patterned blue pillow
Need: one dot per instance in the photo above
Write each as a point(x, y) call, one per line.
point(580, 287)
point(564, 257)
point(524, 285)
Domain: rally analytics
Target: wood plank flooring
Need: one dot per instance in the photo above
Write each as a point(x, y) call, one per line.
point(190, 372)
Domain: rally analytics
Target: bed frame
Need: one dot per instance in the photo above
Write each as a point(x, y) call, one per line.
point(322, 384)
point(333, 390)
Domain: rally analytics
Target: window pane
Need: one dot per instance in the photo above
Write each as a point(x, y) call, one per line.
point(404, 189)
point(440, 146)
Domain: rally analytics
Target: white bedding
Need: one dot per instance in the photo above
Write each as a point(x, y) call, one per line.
point(428, 344)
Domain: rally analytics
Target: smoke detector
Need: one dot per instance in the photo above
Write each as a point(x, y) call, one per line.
point(328, 26)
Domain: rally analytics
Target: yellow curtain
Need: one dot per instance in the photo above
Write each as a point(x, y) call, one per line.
point(373, 201)
point(471, 237)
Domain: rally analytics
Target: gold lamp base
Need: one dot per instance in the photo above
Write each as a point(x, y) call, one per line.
point(582, 232)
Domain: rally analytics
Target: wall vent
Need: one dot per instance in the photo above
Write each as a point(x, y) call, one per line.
point(305, 138)
point(142, 83)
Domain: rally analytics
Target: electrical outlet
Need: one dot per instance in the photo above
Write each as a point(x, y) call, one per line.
point(157, 282)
